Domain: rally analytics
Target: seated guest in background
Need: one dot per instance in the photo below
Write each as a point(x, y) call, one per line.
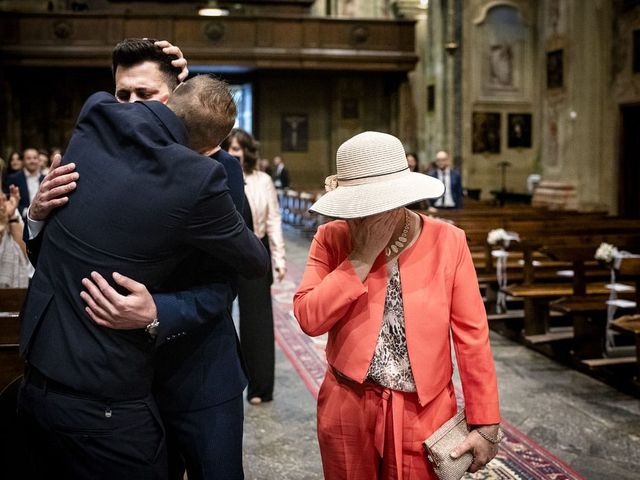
point(13, 165)
point(14, 264)
point(392, 288)
point(54, 151)
point(452, 197)
point(262, 213)
point(45, 161)
point(412, 161)
point(27, 180)
point(184, 206)
point(281, 174)
point(199, 378)
point(264, 165)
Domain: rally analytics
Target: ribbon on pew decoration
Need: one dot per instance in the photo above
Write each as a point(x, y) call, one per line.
point(501, 237)
point(613, 303)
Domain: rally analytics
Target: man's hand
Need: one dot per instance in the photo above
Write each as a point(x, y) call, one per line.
point(179, 62)
point(482, 450)
point(109, 309)
point(280, 273)
point(53, 191)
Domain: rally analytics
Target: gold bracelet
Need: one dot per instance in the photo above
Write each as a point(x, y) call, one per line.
point(496, 440)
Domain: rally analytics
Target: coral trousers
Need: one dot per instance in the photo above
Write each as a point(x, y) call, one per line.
point(369, 432)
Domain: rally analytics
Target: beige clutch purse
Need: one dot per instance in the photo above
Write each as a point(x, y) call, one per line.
point(442, 441)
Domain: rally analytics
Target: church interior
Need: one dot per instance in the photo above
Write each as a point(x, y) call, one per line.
point(536, 104)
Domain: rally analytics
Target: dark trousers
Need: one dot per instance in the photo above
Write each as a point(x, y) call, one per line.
point(256, 334)
point(73, 436)
point(208, 442)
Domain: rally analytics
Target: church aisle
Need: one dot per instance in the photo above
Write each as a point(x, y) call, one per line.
point(585, 423)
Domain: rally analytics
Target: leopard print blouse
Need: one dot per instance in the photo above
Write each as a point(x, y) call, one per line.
point(390, 364)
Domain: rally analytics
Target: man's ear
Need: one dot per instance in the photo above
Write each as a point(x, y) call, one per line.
point(164, 98)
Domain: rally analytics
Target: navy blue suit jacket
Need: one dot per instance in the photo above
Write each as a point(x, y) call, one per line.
point(20, 180)
point(146, 202)
point(202, 367)
point(456, 187)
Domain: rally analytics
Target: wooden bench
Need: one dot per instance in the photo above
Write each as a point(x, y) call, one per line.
point(588, 312)
point(11, 366)
point(630, 324)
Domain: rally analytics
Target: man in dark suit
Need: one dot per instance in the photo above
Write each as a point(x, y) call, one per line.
point(199, 376)
point(144, 204)
point(27, 180)
point(281, 174)
point(453, 194)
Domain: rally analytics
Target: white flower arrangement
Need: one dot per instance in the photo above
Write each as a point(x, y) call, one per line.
point(606, 252)
point(500, 235)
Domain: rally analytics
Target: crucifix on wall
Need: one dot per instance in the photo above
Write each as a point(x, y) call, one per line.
point(295, 132)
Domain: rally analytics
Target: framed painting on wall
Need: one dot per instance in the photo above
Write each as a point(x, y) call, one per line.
point(294, 132)
point(555, 75)
point(519, 130)
point(485, 132)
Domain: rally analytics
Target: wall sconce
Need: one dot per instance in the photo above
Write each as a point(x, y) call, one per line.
point(451, 47)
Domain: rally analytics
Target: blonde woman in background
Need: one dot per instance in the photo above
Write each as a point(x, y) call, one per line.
point(262, 215)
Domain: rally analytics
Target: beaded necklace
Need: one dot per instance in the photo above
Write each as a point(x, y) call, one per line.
point(401, 242)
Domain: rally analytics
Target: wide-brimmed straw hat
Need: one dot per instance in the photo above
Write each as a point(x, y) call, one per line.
point(373, 177)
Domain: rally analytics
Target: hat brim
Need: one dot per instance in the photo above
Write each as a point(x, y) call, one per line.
point(356, 201)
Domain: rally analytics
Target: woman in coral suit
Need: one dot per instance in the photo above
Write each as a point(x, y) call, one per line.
point(392, 288)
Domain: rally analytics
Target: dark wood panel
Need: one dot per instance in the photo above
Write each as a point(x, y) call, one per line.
point(275, 42)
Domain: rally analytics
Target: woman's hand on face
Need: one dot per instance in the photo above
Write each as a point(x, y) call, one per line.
point(369, 235)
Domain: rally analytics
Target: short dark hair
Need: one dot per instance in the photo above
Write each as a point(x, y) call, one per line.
point(249, 147)
point(208, 110)
point(134, 51)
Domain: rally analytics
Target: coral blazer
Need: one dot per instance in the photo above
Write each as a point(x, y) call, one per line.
point(440, 295)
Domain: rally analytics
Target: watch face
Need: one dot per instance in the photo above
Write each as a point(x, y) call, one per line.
point(152, 328)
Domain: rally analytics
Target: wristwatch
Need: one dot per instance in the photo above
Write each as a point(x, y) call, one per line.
point(152, 328)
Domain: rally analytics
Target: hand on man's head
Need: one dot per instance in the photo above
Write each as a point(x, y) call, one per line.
point(179, 62)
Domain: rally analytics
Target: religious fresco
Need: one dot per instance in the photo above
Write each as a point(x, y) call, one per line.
point(502, 55)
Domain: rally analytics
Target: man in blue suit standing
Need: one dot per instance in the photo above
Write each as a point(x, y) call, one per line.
point(199, 377)
point(27, 180)
point(184, 203)
point(453, 194)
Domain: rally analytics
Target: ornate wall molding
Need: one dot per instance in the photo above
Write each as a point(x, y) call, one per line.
point(277, 42)
point(483, 10)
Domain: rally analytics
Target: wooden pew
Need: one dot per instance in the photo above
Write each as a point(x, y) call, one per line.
point(537, 295)
point(630, 267)
point(13, 457)
point(11, 366)
point(588, 312)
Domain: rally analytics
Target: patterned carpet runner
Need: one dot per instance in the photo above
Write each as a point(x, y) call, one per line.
point(519, 458)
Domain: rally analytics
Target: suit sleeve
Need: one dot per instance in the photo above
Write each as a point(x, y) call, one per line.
point(180, 312)
point(326, 293)
point(33, 244)
point(216, 227)
point(470, 332)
